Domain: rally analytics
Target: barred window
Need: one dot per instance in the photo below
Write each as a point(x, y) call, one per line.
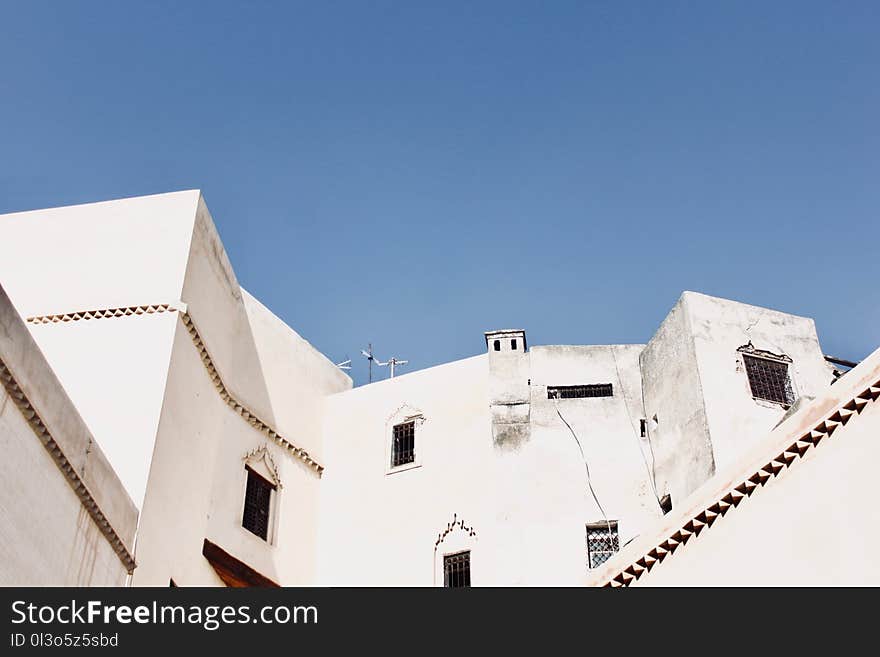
point(257, 501)
point(580, 392)
point(769, 379)
point(403, 444)
point(602, 542)
point(457, 570)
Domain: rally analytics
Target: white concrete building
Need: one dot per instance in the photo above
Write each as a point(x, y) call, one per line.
point(252, 460)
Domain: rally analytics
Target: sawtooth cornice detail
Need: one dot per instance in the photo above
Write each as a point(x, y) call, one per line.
point(625, 575)
point(240, 409)
point(101, 313)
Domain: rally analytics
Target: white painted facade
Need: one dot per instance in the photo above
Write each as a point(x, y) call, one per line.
point(184, 379)
point(66, 517)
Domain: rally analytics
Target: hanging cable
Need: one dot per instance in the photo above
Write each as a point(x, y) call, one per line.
point(649, 470)
point(586, 465)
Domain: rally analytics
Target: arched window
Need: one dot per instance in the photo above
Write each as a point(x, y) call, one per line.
point(262, 484)
point(454, 552)
point(404, 446)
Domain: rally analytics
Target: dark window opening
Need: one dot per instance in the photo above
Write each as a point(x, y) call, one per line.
point(403, 447)
point(769, 379)
point(666, 504)
point(602, 542)
point(643, 427)
point(580, 392)
point(457, 570)
point(497, 345)
point(257, 500)
point(513, 344)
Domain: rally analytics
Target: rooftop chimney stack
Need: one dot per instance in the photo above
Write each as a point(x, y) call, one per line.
point(509, 387)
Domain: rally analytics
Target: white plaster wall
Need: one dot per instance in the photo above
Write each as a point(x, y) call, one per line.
point(608, 428)
point(815, 525)
point(673, 394)
point(48, 537)
point(100, 255)
point(121, 253)
point(174, 517)
point(378, 528)
point(215, 303)
point(197, 480)
point(528, 504)
point(197, 484)
point(114, 371)
point(736, 420)
point(298, 376)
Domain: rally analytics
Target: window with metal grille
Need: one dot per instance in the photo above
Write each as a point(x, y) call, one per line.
point(602, 542)
point(769, 379)
point(580, 392)
point(403, 444)
point(457, 570)
point(257, 501)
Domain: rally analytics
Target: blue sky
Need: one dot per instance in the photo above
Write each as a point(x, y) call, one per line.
point(412, 174)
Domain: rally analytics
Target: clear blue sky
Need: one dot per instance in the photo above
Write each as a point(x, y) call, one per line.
point(413, 174)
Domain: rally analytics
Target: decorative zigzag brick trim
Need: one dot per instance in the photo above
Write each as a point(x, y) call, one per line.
point(234, 404)
point(102, 313)
point(237, 406)
point(705, 518)
point(67, 469)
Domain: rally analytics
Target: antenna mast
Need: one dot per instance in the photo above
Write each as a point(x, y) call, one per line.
point(393, 362)
point(370, 358)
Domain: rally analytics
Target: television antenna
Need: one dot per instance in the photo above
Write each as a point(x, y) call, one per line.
point(370, 358)
point(392, 362)
point(344, 365)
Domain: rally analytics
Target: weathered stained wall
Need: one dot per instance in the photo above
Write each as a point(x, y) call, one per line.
point(528, 503)
point(48, 536)
point(736, 421)
point(696, 384)
point(814, 524)
point(678, 429)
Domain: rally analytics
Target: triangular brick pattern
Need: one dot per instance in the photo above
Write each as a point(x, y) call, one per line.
point(234, 404)
point(76, 483)
point(103, 313)
point(774, 468)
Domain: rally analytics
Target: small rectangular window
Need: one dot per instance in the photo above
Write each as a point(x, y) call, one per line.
point(769, 379)
point(257, 502)
point(513, 344)
point(457, 570)
point(580, 392)
point(403, 446)
point(602, 542)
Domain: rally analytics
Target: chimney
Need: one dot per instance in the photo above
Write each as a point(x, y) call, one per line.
point(509, 373)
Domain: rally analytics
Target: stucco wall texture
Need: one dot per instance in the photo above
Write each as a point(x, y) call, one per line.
point(501, 468)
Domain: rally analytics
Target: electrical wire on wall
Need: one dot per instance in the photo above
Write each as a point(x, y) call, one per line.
point(586, 465)
point(648, 469)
